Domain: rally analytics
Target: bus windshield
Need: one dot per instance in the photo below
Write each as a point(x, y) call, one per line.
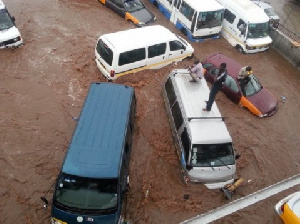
point(212, 155)
point(5, 20)
point(86, 194)
point(258, 30)
point(210, 19)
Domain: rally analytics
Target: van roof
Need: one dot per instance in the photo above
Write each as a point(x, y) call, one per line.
point(2, 6)
point(248, 9)
point(96, 147)
point(138, 37)
point(205, 5)
point(207, 127)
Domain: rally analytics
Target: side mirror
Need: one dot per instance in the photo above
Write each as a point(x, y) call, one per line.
point(13, 18)
point(237, 156)
point(188, 167)
point(45, 201)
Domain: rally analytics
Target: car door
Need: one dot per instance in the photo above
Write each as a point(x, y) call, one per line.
point(117, 6)
point(177, 50)
point(231, 89)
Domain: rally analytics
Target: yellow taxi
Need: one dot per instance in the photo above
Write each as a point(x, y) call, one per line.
point(289, 208)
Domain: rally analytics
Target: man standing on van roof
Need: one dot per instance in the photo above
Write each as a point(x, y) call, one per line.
point(197, 71)
point(221, 77)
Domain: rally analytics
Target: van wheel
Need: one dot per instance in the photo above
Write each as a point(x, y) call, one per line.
point(239, 49)
point(155, 4)
point(183, 31)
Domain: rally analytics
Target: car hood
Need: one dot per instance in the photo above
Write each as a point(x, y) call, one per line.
point(143, 15)
point(264, 101)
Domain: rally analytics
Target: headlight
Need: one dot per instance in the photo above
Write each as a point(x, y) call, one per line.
point(141, 24)
point(17, 39)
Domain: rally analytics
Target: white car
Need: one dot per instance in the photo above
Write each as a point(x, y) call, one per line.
point(289, 208)
point(274, 18)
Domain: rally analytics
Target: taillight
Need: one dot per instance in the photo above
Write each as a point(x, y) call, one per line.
point(282, 207)
point(112, 73)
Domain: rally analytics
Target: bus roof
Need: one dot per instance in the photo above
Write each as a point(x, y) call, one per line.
point(96, 147)
point(205, 127)
point(248, 9)
point(205, 5)
point(139, 37)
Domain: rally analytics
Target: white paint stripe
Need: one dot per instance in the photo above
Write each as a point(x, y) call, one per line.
point(244, 202)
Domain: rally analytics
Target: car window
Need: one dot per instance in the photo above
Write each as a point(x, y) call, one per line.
point(207, 65)
point(176, 45)
point(251, 87)
point(156, 50)
point(214, 71)
point(231, 84)
point(133, 5)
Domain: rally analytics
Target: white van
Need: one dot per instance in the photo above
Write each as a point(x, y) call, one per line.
point(246, 26)
point(9, 34)
point(197, 20)
point(137, 49)
point(202, 141)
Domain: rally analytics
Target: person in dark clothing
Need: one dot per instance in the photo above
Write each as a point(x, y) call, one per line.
point(221, 77)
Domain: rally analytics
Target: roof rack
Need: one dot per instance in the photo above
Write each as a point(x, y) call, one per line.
point(191, 118)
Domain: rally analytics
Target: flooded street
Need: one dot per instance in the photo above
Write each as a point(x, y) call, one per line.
point(44, 83)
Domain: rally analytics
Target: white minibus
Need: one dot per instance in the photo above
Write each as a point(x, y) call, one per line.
point(203, 143)
point(246, 26)
point(198, 20)
point(9, 34)
point(133, 50)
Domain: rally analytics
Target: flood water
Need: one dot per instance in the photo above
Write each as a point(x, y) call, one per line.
point(44, 83)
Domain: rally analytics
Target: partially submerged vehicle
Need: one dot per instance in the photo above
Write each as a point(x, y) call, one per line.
point(251, 95)
point(9, 33)
point(132, 10)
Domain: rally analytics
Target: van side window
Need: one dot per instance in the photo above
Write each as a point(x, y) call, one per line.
point(170, 92)
point(105, 52)
point(229, 16)
point(186, 143)
point(156, 50)
point(177, 116)
point(187, 11)
point(132, 56)
point(176, 45)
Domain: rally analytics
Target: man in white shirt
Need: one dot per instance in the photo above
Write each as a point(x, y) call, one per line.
point(197, 71)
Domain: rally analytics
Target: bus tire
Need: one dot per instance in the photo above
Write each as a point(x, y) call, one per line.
point(239, 49)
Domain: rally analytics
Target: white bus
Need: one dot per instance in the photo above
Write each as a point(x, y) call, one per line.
point(197, 19)
point(246, 26)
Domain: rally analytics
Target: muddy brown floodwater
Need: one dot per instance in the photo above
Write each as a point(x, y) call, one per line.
point(44, 83)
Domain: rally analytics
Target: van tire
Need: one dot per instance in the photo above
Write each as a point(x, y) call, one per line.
point(183, 30)
point(155, 4)
point(239, 49)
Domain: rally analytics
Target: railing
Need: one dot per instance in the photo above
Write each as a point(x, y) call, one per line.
point(293, 36)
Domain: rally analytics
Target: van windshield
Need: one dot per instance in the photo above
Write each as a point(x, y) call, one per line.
point(86, 194)
point(210, 19)
point(212, 155)
point(5, 20)
point(133, 5)
point(105, 52)
point(258, 30)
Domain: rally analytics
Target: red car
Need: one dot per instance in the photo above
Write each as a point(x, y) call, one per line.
point(251, 95)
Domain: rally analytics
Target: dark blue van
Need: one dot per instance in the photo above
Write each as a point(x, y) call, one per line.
point(92, 182)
